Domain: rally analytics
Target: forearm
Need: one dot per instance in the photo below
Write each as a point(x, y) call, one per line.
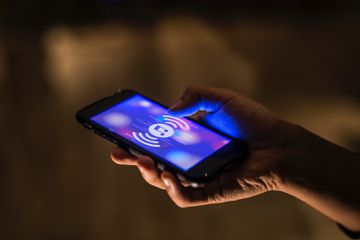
point(325, 176)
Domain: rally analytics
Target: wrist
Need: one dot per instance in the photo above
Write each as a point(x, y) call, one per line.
point(291, 138)
point(285, 138)
point(322, 175)
point(302, 162)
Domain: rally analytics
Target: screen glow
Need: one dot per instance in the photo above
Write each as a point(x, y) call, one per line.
point(149, 125)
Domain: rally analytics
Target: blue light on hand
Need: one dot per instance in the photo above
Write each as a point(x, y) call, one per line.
point(224, 123)
point(219, 120)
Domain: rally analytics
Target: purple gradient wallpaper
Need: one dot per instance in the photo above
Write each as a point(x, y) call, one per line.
point(149, 125)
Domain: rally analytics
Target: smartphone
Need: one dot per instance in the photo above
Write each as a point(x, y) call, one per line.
point(191, 150)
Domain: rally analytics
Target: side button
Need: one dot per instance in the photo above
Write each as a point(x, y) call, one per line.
point(161, 166)
point(134, 152)
point(181, 177)
point(196, 185)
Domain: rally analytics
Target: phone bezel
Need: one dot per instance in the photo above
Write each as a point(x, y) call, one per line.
point(203, 171)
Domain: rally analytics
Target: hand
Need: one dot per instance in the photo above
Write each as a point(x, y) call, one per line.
point(239, 117)
point(283, 157)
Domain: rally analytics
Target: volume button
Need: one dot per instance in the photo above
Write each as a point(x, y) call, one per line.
point(134, 152)
point(181, 177)
point(160, 166)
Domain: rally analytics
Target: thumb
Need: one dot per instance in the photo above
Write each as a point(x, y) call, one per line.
point(201, 98)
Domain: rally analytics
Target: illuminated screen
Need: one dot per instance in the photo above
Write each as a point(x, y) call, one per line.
point(179, 141)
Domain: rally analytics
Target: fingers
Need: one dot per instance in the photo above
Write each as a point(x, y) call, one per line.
point(179, 192)
point(149, 172)
point(145, 165)
point(183, 196)
point(199, 116)
point(201, 98)
point(121, 157)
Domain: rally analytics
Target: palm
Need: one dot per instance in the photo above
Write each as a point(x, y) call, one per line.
point(255, 175)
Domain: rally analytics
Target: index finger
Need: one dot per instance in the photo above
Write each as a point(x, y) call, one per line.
point(122, 157)
point(201, 98)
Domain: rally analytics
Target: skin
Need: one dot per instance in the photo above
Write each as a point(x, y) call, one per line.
point(282, 157)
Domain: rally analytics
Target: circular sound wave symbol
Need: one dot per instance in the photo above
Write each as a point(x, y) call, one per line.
point(146, 139)
point(176, 122)
point(161, 130)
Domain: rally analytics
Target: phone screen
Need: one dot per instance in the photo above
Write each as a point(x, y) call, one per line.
point(179, 141)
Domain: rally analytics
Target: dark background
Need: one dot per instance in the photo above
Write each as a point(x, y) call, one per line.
point(300, 58)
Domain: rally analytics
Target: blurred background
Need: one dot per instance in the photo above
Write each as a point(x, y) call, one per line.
point(299, 58)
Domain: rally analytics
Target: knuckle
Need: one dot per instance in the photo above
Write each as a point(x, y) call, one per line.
point(192, 89)
point(182, 204)
point(152, 177)
point(116, 160)
point(180, 201)
point(113, 156)
point(149, 177)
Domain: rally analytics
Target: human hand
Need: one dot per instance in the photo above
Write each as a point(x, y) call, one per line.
point(239, 117)
point(282, 157)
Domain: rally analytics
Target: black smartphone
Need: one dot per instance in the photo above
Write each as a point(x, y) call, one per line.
point(191, 150)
